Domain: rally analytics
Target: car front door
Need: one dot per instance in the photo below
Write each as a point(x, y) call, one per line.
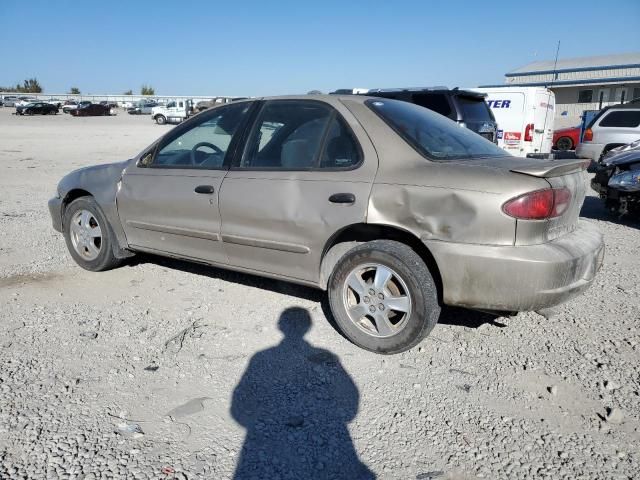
point(168, 201)
point(305, 173)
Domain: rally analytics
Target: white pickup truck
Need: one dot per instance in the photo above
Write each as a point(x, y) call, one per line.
point(173, 112)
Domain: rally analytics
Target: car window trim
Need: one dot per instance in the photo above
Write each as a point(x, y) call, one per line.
point(183, 128)
point(334, 114)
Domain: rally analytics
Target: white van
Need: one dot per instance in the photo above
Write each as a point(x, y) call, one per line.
point(525, 118)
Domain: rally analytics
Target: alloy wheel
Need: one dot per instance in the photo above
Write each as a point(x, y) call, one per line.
point(86, 234)
point(377, 300)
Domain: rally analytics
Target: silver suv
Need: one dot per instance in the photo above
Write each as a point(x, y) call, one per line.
point(612, 127)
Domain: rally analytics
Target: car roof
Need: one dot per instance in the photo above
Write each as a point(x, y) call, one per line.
point(328, 98)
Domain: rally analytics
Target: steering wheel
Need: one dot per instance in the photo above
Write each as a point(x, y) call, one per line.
point(203, 144)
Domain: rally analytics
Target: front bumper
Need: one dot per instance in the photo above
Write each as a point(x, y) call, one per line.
point(519, 278)
point(589, 150)
point(55, 209)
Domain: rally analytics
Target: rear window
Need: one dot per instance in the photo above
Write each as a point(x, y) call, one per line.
point(433, 135)
point(474, 109)
point(621, 118)
point(433, 101)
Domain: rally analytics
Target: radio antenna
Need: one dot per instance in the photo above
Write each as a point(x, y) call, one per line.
point(555, 63)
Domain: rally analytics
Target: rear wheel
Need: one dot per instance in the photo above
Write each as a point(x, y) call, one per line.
point(383, 297)
point(564, 143)
point(88, 236)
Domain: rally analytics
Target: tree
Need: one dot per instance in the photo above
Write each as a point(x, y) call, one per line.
point(147, 90)
point(74, 91)
point(31, 85)
point(128, 92)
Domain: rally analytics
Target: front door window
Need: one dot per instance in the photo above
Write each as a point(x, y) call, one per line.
point(205, 144)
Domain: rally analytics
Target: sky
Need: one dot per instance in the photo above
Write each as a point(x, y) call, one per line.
point(250, 48)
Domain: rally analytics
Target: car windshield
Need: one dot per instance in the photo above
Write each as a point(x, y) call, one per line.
point(474, 109)
point(433, 135)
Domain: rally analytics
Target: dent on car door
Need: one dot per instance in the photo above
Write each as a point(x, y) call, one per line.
point(168, 201)
point(305, 173)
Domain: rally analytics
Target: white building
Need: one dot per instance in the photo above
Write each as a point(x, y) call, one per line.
point(586, 83)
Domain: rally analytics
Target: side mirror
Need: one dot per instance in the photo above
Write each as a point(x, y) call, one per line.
point(145, 160)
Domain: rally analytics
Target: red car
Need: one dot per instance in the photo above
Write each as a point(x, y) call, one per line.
point(566, 138)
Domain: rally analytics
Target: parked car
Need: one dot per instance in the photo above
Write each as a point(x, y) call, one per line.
point(55, 101)
point(36, 108)
point(10, 101)
point(109, 104)
point(71, 105)
point(389, 206)
point(142, 108)
point(612, 127)
point(617, 180)
point(90, 110)
point(623, 148)
point(26, 100)
point(566, 138)
point(465, 107)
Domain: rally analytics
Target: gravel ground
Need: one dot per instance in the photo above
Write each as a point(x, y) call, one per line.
point(166, 370)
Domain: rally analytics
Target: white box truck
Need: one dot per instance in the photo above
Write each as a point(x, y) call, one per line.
point(525, 118)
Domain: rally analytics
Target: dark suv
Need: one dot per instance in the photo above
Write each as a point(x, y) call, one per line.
point(466, 107)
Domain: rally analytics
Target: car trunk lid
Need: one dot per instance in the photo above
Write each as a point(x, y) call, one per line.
point(557, 174)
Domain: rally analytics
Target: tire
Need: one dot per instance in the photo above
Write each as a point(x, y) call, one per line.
point(410, 323)
point(78, 243)
point(161, 120)
point(564, 144)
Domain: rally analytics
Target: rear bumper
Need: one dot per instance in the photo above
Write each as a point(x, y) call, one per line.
point(519, 278)
point(55, 209)
point(589, 150)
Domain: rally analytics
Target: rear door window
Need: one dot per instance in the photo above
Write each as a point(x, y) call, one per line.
point(622, 118)
point(287, 135)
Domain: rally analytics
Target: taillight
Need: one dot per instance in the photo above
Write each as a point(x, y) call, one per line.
point(528, 133)
point(588, 135)
point(539, 205)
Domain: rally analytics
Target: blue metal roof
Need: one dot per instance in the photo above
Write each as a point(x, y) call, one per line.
point(581, 64)
point(559, 83)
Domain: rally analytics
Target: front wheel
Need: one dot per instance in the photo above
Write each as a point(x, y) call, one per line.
point(383, 297)
point(88, 236)
point(161, 120)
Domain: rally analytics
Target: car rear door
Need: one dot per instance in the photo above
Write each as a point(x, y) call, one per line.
point(168, 201)
point(305, 173)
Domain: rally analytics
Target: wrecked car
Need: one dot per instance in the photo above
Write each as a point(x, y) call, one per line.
point(392, 209)
point(617, 180)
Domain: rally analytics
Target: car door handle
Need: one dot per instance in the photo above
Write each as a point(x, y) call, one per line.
point(205, 189)
point(348, 198)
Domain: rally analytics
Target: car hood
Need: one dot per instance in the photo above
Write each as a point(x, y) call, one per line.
point(623, 158)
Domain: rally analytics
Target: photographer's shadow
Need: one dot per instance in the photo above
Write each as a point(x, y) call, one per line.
point(295, 402)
